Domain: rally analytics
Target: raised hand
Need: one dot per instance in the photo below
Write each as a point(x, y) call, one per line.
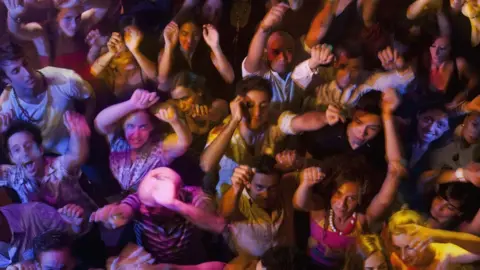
point(142, 99)
point(320, 55)
point(168, 114)
point(15, 8)
point(390, 101)
point(76, 124)
point(113, 215)
point(212, 10)
point(333, 115)
point(286, 160)
point(72, 214)
point(133, 37)
point(210, 35)
point(241, 178)
point(236, 108)
point(131, 257)
point(421, 236)
point(391, 59)
point(311, 176)
point(274, 16)
point(115, 43)
point(170, 34)
point(6, 119)
point(198, 111)
point(95, 39)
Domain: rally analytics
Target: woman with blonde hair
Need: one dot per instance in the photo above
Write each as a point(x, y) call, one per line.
point(369, 252)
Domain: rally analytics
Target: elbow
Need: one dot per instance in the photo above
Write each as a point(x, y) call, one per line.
point(205, 165)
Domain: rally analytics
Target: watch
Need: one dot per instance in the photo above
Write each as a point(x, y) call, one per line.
point(460, 175)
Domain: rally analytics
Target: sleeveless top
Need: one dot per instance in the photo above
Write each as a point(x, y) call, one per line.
point(330, 247)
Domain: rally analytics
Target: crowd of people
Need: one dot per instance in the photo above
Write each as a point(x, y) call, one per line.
point(240, 134)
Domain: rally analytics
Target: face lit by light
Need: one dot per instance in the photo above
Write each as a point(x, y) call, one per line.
point(69, 21)
point(375, 261)
point(137, 129)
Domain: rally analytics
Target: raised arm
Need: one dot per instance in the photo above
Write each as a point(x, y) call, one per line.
point(107, 120)
point(304, 199)
point(254, 61)
point(320, 55)
point(165, 58)
point(104, 60)
point(418, 7)
point(78, 148)
point(97, 9)
point(133, 37)
point(96, 42)
point(382, 201)
point(321, 23)
point(228, 207)
point(175, 144)
point(314, 120)
point(26, 31)
point(220, 61)
point(213, 153)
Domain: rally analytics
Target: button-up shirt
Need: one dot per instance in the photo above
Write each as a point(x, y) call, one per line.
point(27, 221)
point(331, 94)
point(286, 95)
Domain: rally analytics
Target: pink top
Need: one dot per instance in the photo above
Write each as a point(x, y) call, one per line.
point(330, 247)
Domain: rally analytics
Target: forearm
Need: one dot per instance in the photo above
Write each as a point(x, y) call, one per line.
point(108, 118)
point(101, 63)
point(93, 54)
point(164, 66)
point(213, 153)
point(320, 24)
point(78, 150)
point(309, 121)
point(467, 241)
point(368, 12)
point(184, 136)
point(148, 67)
point(303, 198)
point(416, 8)
point(228, 207)
point(223, 66)
point(392, 143)
point(443, 24)
point(253, 62)
point(200, 218)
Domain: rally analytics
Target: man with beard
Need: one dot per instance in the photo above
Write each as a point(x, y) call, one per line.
point(247, 133)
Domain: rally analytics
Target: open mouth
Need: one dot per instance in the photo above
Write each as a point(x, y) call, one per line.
point(30, 165)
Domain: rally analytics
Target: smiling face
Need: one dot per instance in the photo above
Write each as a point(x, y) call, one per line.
point(69, 20)
point(471, 128)
point(432, 125)
point(137, 129)
point(375, 261)
point(344, 201)
point(25, 152)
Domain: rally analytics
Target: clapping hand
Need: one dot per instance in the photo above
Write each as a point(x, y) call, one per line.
point(170, 34)
point(241, 178)
point(168, 114)
point(133, 37)
point(210, 35)
point(115, 44)
point(320, 55)
point(391, 59)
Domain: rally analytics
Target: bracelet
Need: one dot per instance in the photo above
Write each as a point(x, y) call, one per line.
point(459, 174)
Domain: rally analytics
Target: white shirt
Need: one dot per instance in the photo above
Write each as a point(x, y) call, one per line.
point(64, 87)
point(331, 94)
point(285, 94)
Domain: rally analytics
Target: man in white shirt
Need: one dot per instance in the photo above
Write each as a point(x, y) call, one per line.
point(277, 66)
point(351, 80)
point(41, 97)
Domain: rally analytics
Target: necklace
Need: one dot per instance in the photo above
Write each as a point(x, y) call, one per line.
point(29, 118)
point(347, 230)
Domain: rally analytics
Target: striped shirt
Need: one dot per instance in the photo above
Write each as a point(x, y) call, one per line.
point(174, 239)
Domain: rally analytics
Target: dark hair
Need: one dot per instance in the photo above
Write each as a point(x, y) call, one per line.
point(51, 240)
point(22, 126)
point(351, 48)
point(190, 80)
point(9, 52)
point(465, 193)
point(284, 258)
point(265, 164)
point(370, 103)
point(253, 83)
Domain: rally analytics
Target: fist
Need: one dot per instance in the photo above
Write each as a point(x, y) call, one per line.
point(286, 160)
point(143, 99)
point(168, 114)
point(333, 115)
point(72, 214)
point(170, 34)
point(391, 59)
point(320, 55)
point(242, 175)
point(274, 16)
point(311, 176)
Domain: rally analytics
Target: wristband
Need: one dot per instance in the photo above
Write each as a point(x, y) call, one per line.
point(460, 175)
